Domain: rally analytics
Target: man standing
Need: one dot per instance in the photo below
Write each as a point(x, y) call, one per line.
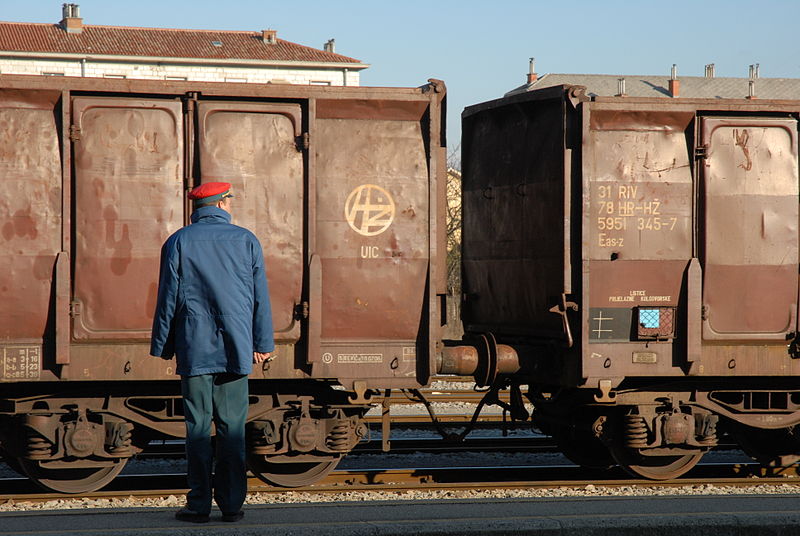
point(213, 313)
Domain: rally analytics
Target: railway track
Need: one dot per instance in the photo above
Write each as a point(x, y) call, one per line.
point(421, 479)
point(390, 479)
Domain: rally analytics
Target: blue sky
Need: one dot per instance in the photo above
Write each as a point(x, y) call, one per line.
point(481, 48)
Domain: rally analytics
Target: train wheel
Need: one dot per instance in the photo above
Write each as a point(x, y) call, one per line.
point(78, 479)
point(655, 467)
point(291, 474)
point(770, 448)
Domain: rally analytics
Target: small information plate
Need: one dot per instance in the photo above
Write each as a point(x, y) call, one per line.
point(21, 362)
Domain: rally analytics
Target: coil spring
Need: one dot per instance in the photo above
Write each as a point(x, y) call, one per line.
point(255, 438)
point(339, 437)
point(38, 448)
point(257, 441)
point(635, 431)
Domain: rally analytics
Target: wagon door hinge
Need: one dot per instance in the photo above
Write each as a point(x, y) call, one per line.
point(301, 311)
point(74, 133)
point(701, 152)
point(304, 141)
point(75, 309)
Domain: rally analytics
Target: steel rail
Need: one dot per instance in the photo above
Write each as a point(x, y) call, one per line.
point(431, 478)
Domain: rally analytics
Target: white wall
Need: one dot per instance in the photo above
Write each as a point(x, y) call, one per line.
point(258, 75)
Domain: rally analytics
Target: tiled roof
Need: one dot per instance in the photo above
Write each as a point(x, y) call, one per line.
point(700, 87)
point(158, 42)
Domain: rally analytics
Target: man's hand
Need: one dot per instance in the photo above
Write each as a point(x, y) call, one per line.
point(260, 357)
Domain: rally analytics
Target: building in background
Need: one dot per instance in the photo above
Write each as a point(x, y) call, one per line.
point(71, 48)
point(708, 86)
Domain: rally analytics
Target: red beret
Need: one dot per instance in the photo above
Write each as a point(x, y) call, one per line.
point(210, 190)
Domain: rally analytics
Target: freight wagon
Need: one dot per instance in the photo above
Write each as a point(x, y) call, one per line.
point(344, 188)
point(637, 260)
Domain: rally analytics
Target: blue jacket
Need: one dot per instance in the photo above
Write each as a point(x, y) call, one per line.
point(213, 305)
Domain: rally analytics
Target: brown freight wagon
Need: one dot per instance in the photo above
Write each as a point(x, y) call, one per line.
point(640, 257)
point(343, 186)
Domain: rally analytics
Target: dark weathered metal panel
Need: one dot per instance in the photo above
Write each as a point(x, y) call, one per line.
point(129, 198)
point(751, 228)
point(30, 216)
point(257, 148)
point(513, 190)
point(372, 221)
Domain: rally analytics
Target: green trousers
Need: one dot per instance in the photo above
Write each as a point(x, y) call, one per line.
point(223, 398)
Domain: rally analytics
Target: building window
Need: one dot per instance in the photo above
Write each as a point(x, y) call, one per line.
point(177, 78)
point(114, 75)
point(52, 74)
point(235, 79)
point(320, 83)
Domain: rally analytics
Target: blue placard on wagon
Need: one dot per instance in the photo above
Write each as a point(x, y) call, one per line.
point(650, 318)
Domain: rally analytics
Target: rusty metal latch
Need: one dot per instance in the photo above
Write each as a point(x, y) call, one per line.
point(561, 309)
point(386, 418)
point(75, 309)
point(74, 133)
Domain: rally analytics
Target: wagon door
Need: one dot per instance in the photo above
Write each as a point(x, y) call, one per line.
point(128, 200)
point(256, 148)
point(751, 225)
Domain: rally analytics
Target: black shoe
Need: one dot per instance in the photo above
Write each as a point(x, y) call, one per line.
point(231, 518)
point(184, 514)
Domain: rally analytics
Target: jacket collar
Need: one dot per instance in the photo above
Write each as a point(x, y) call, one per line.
point(211, 214)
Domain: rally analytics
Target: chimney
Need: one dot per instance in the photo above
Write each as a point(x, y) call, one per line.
point(754, 71)
point(269, 37)
point(532, 76)
point(751, 88)
point(674, 83)
point(330, 46)
point(710, 70)
point(621, 88)
point(71, 20)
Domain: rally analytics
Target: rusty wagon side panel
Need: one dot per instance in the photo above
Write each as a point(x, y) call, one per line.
point(372, 250)
point(340, 185)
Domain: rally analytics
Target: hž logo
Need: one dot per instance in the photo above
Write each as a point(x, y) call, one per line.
point(369, 210)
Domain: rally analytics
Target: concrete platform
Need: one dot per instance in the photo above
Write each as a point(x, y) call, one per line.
point(586, 516)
